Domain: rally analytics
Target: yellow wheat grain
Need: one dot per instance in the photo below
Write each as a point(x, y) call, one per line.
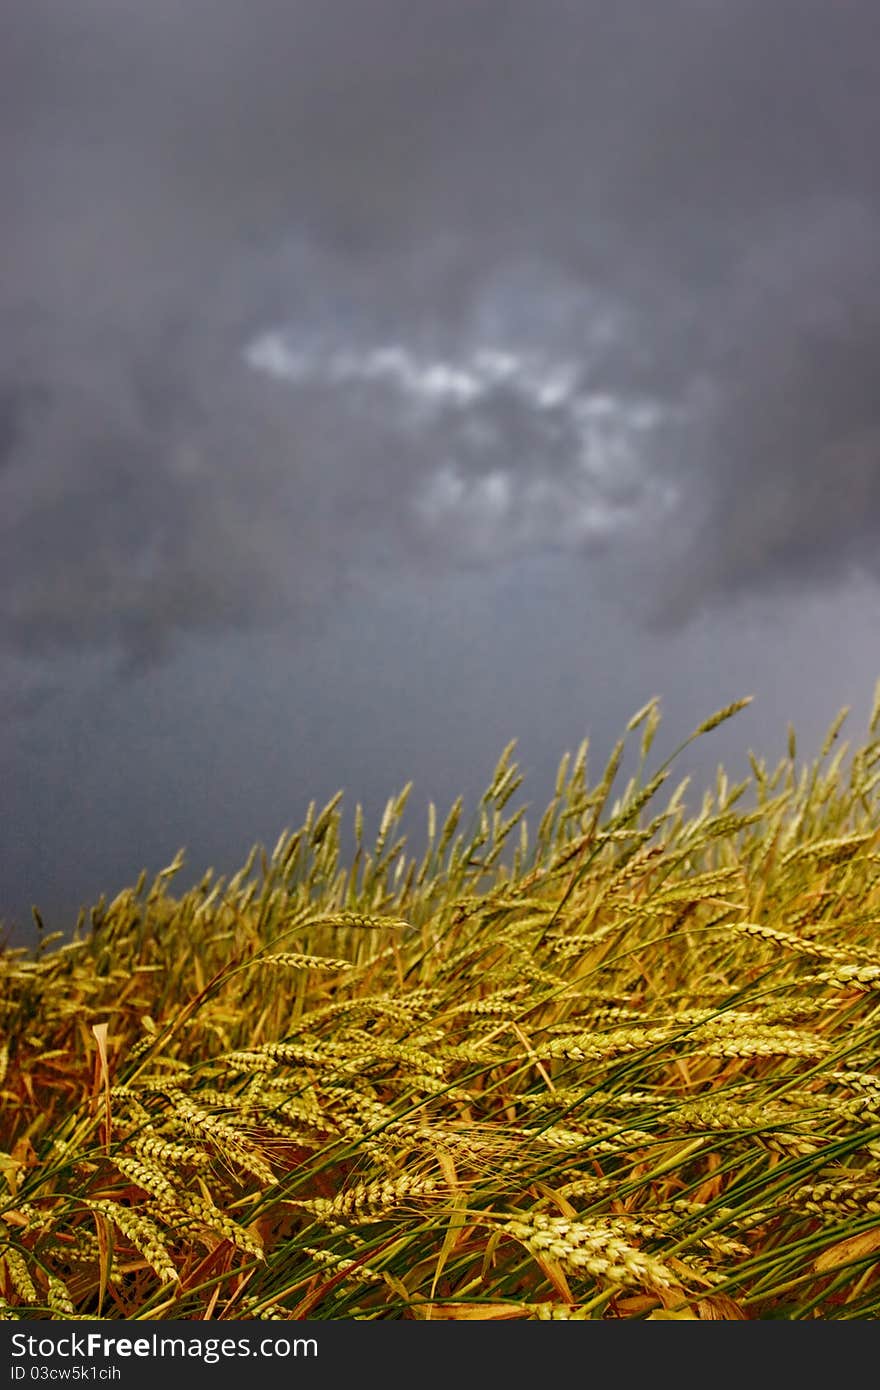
point(579, 944)
point(367, 1111)
point(265, 1312)
point(58, 1297)
point(353, 1269)
point(767, 1042)
point(699, 887)
point(144, 1174)
point(438, 1086)
point(304, 1110)
point(357, 919)
point(296, 1053)
point(405, 1009)
point(559, 1137)
point(501, 1002)
point(532, 974)
point(843, 976)
point(168, 1085)
point(375, 1199)
point(368, 1050)
point(142, 1232)
point(608, 1100)
point(26, 1215)
point(232, 1145)
point(294, 960)
point(558, 1312)
point(290, 1134)
point(590, 1249)
point(723, 1112)
point(587, 1186)
point(856, 1080)
point(661, 1224)
point(801, 945)
point(844, 1197)
point(202, 1212)
point(582, 1047)
point(477, 1052)
point(250, 1063)
point(16, 1268)
point(149, 1145)
point(721, 715)
point(789, 1011)
point(858, 1107)
point(829, 852)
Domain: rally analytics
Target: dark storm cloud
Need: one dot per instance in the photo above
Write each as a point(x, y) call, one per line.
point(673, 210)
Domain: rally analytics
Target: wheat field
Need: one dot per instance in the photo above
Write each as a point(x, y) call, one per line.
point(626, 1065)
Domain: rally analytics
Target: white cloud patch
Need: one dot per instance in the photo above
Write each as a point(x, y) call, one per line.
point(434, 383)
point(519, 450)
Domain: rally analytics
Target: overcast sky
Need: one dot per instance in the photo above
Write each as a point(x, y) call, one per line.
point(381, 381)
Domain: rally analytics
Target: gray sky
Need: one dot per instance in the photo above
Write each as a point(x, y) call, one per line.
point(382, 381)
